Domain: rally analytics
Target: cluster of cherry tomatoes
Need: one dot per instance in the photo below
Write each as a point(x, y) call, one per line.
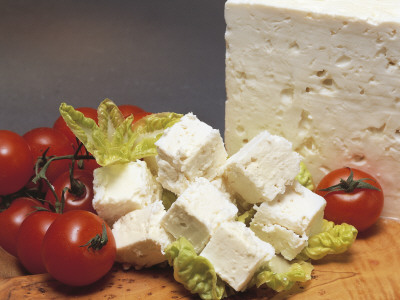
point(51, 225)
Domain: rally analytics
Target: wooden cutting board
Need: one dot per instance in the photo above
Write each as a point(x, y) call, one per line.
point(370, 270)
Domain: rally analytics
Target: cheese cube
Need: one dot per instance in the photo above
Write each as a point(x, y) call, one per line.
point(139, 237)
point(122, 188)
point(299, 210)
point(236, 253)
point(187, 150)
point(198, 212)
point(285, 241)
point(263, 168)
point(323, 74)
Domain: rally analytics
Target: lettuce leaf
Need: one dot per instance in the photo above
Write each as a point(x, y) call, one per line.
point(247, 216)
point(195, 272)
point(115, 140)
point(334, 239)
point(304, 177)
point(168, 198)
point(282, 281)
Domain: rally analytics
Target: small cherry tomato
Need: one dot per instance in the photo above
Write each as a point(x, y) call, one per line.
point(29, 240)
point(43, 138)
point(11, 220)
point(352, 196)
point(16, 162)
point(60, 124)
point(78, 248)
point(79, 195)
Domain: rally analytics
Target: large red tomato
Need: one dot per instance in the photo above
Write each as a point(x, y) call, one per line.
point(43, 138)
point(352, 196)
point(12, 218)
point(29, 240)
point(80, 196)
point(16, 162)
point(78, 248)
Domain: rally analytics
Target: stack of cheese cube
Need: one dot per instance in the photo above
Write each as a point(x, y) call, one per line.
point(192, 163)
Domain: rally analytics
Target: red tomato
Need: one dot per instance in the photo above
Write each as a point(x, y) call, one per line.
point(81, 198)
point(11, 219)
point(60, 124)
point(29, 240)
point(360, 207)
point(39, 139)
point(15, 162)
point(134, 110)
point(64, 254)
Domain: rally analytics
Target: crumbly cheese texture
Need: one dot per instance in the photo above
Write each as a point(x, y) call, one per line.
point(196, 213)
point(323, 74)
point(285, 241)
point(236, 253)
point(187, 150)
point(139, 237)
point(122, 188)
point(299, 210)
point(262, 168)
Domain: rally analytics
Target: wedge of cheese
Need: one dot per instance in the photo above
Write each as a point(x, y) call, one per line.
point(323, 74)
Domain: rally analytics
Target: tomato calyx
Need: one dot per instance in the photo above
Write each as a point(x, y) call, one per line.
point(349, 185)
point(98, 241)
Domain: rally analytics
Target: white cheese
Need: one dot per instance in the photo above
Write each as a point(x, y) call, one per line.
point(299, 210)
point(139, 237)
point(196, 213)
point(323, 74)
point(122, 188)
point(236, 253)
point(262, 168)
point(187, 150)
point(285, 241)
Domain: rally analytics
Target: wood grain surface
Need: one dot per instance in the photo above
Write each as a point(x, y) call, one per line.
point(370, 270)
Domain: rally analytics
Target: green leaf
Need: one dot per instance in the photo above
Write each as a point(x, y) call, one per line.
point(115, 140)
point(334, 239)
point(168, 198)
point(304, 177)
point(195, 272)
point(282, 281)
point(247, 216)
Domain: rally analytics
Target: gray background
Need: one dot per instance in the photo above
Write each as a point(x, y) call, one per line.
point(162, 55)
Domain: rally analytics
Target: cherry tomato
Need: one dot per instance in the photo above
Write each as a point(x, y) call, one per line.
point(360, 207)
point(11, 219)
point(67, 256)
point(80, 197)
point(15, 162)
point(60, 124)
point(29, 240)
point(39, 139)
point(134, 110)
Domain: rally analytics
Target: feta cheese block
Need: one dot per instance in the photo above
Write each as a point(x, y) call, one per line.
point(285, 241)
point(196, 213)
point(299, 210)
point(236, 253)
point(323, 74)
point(262, 168)
point(187, 150)
point(139, 237)
point(122, 188)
